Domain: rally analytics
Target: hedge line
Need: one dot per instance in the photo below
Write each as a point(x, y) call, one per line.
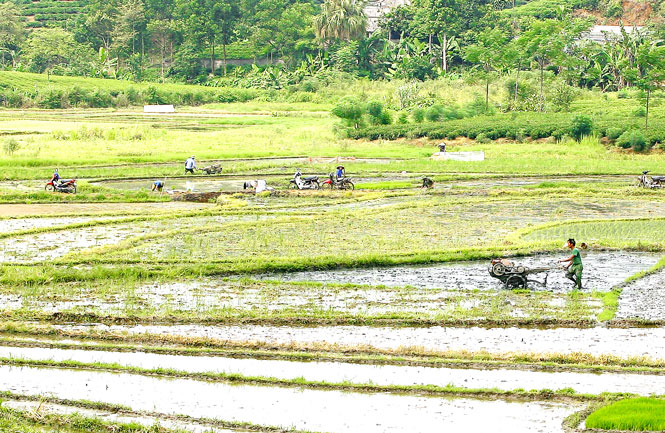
point(510, 126)
point(54, 98)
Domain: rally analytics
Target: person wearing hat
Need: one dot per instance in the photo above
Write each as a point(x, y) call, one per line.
point(574, 268)
point(190, 165)
point(340, 172)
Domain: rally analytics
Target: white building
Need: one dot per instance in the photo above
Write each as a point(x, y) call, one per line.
point(375, 9)
point(601, 33)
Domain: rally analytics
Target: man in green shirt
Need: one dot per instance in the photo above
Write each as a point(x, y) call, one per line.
point(574, 268)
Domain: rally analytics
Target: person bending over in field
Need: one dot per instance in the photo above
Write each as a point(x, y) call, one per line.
point(157, 185)
point(574, 267)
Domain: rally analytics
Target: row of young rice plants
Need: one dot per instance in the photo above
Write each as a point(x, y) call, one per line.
point(640, 232)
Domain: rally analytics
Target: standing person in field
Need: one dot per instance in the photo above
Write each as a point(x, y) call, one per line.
point(340, 172)
point(574, 267)
point(190, 165)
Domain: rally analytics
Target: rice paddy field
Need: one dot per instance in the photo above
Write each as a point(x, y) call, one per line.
point(208, 308)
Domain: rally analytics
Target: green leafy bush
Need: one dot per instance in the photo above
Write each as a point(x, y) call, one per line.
point(580, 126)
point(632, 139)
point(351, 111)
point(418, 115)
point(614, 133)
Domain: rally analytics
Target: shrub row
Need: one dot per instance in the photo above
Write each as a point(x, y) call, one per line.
point(51, 10)
point(522, 125)
point(54, 98)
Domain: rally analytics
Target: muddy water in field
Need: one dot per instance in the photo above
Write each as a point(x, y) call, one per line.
point(314, 410)
point(602, 271)
point(333, 372)
point(148, 421)
point(194, 185)
point(643, 299)
point(125, 209)
point(648, 342)
point(51, 245)
point(18, 224)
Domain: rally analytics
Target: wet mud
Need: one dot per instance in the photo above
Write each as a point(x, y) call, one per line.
point(621, 342)
point(602, 271)
point(305, 409)
point(643, 298)
point(19, 224)
point(337, 372)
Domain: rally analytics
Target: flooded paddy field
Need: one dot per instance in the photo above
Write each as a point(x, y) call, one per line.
point(45, 408)
point(504, 379)
point(19, 224)
point(47, 209)
point(264, 405)
point(643, 298)
point(213, 298)
point(620, 342)
point(606, 270)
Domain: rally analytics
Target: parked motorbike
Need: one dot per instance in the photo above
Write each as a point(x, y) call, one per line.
point(300, 182)
point(63, 185)
point(646, 181)
point(342, 183)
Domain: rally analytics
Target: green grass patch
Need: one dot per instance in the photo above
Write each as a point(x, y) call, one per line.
point(385, 185)
point(637, 414)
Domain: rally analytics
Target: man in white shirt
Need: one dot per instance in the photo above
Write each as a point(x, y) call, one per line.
point(190, 165)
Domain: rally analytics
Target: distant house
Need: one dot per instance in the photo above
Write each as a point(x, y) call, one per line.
point(601, 33)
point(375, 9)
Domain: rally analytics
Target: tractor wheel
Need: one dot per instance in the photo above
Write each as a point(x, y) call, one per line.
point(516, 282)
point(498, 269)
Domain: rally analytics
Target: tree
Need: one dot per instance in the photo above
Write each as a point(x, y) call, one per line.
point(341, 20)
point(648, 71)
point(284, 26)
point(447, 20)
point(48, 48)
point(12, 32)
point(207, 22)
point(488, 53)
point(543, 43)
point(162, 35)
point(130, 22)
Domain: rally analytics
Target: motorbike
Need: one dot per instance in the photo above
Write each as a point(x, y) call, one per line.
point(646, 181)
point(62, 185)
point(300, 182)
point(340, 183)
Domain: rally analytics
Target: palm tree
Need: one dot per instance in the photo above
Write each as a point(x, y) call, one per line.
point(341, 20)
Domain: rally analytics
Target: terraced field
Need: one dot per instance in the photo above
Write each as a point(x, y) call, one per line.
point(319, 311)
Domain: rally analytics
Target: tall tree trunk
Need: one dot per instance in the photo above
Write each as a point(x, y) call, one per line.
point(542, 81)
point(444, 53)
point(487, 92)
point(212, 56)
point(646, 121)
point(517, 81)
point(162, 52)
point(224, 54)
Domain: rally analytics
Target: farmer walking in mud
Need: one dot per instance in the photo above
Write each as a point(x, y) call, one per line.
point(574, 268)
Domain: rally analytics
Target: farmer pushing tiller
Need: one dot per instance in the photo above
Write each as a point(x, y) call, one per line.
point(517, 276)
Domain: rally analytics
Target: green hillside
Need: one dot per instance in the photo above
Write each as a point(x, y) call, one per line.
point(49, 13)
